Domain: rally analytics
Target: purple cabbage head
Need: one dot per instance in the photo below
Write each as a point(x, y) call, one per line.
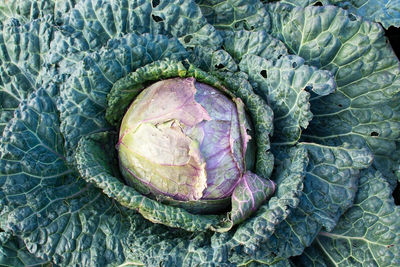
point(182, 141)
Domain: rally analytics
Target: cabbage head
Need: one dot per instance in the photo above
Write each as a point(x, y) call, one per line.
point(185, 143)
point(199, 133)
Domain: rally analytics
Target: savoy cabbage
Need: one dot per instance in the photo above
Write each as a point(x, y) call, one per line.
point(320, 82)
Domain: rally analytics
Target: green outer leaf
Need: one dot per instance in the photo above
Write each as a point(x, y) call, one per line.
point(329, 189)
point(22, 57)
point(128, 87)
point(28, 10)
point(366, 72)
point(367, 234)
point(257, 43)
point(60, 218)
point(235, 14)
point(101, 20)
point(89, 26)
point(156, 245)
point(332, 192)
point(282, 83)
point(83, 99)
point(13, 253)
point(211, 60)
point(386, 12)
point(93, 159)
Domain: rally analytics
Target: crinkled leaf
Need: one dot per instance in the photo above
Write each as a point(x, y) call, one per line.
point(209, 60)
point(235, 14)
point(60, 218)
point(367, 234)
point(363, 111)
point(247, 136)
point(285, 84)
point(91, 23)
point(386, 12)
point(331, 180)
point(28, 10)
point(21, 61)
point(13, 253)
point(257, 43)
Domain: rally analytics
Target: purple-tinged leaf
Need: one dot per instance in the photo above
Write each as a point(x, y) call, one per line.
point(249, 194)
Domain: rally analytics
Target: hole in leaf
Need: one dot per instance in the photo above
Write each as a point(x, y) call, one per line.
point(318, 4)
point(237, 25)
point(340, 105)
point(352, 17)
point(393, 35)
point(396, 194)
point(264, 73)
point(219, 66)
point(157, 18)
point(155, 3)
point(187, 39)
point(308, 88)
point(294, 64)
point(279, 57)
point(374, 134)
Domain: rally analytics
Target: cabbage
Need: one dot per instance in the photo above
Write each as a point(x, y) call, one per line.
point(315, 86)
point(183, 140)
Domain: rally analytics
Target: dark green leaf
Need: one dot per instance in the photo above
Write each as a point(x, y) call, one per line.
point(367, 234)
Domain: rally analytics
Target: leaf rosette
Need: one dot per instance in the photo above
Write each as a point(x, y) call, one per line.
point(320, 87)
